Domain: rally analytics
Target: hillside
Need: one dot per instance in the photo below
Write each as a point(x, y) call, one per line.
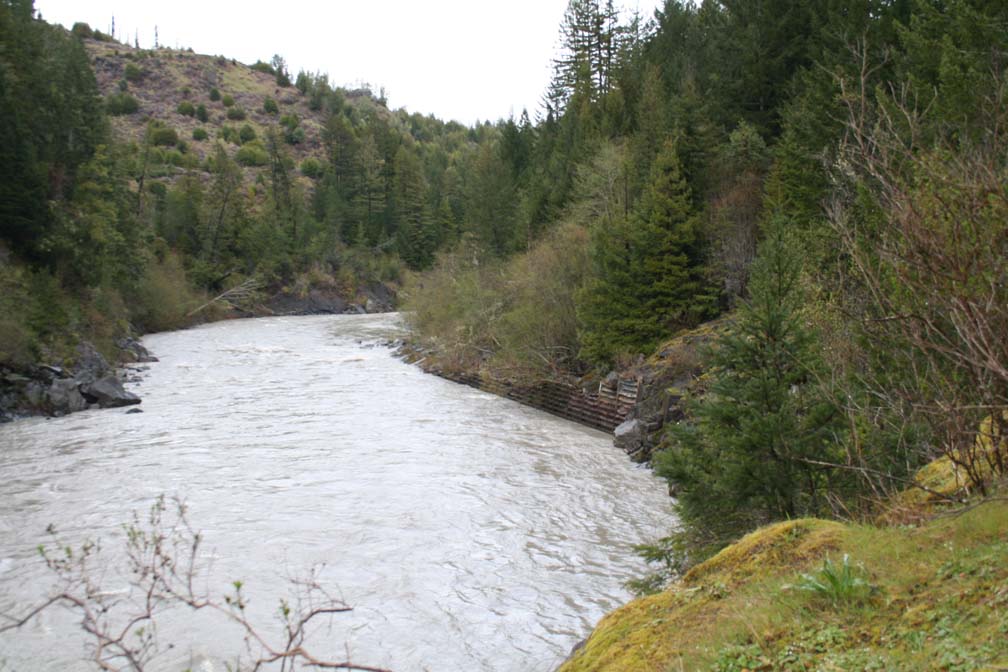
point(162, 79)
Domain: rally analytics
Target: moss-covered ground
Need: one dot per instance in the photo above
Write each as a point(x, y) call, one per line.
point(927, 597)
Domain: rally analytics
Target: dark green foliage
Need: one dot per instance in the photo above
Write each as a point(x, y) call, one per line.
point(201, 113)
point(252, 154)
point(270, 106)
point(648, 278)
point(199, 134)
point(262, 66)
point(215, 94)
point(236, 113)
point(163, 135)
point(311, 167)
point(227, 100)
point(119, 104)
point(186, 109)
point(82, 30)
point(757, 440)
point(280, 70)
point(246, 134)
point(132, 73)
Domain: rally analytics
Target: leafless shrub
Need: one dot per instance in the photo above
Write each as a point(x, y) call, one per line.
point(163, 561)
point(932, 263)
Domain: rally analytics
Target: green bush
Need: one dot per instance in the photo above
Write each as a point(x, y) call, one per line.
point(215, 94)
point(229, 134)
point(295, 137)
point(252, 154)
point(270, 106)
point(227, 100)
point(82, 30)
point(289, 121)
point(174, 157)
point(186, 109)
point(123, 85)
point(235, 114)
point(201, 113)
point(121, 103)
point(163, 136)
point(261, 66)
point(247, 134)
point(311, 167)
point(132, 73)
point(199, 134)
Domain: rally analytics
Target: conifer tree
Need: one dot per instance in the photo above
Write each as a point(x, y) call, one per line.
point(749, 455)
point(648, 280)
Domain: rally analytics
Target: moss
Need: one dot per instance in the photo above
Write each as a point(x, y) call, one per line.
point(938, 600)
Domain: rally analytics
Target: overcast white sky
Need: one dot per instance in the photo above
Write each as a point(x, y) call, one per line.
point(456, 59)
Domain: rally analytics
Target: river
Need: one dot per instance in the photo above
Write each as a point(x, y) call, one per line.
point(466, 531)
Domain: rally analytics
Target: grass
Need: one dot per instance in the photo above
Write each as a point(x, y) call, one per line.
point(905, 598)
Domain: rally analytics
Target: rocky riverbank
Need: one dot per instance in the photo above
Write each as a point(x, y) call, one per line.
point(633, 402)
point(88, 381)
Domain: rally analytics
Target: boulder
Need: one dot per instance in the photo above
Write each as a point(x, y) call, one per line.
point(90, 365)
point(630, 436)
point(65, 396)
point(327, 303)
point(134, 351)
point(108, 392)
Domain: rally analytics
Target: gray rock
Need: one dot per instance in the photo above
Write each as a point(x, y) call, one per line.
point(325, 302)
point(134, 351)
point(134, 410)
point(65, 397)
point(630, 436)
point(90, 365)
point(108, 392)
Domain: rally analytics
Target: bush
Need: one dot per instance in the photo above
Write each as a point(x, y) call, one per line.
point(261, 66)
point(132, 73)
point(295, 137)
point(163, 136)
point(121, 103)
point(270, 106)
point(235, 114)
point(229, 134)
point(199, 134)
point(215, 94)
point(201, 113)
point(252, 154)
point(227, 100)
point(246, 134)
point(123, 85)
point(186, 109)
point(311, 167)
point(82, 30)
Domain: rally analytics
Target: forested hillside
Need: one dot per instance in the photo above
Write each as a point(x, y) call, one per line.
point(830, 175)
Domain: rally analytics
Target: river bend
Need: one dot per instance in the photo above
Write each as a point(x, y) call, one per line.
point(468, 532)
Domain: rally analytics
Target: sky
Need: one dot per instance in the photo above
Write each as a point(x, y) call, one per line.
point(462, 60)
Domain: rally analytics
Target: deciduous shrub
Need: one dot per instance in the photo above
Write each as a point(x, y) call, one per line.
point(227, 100)
point(215, 94)
point(186, 109)
point(201, 113)
point(270, 106)
point(199, 134)
point(163, 135)
point(235, 113)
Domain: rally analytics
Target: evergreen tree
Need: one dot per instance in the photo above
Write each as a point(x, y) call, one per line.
point(648, 271)
point(750, 454)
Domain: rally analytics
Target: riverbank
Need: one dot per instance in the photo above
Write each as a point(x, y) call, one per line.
point(816, 594)
point(632, 402)
point(85, 378)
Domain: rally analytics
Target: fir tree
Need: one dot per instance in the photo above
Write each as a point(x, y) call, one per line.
point(750, 455)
